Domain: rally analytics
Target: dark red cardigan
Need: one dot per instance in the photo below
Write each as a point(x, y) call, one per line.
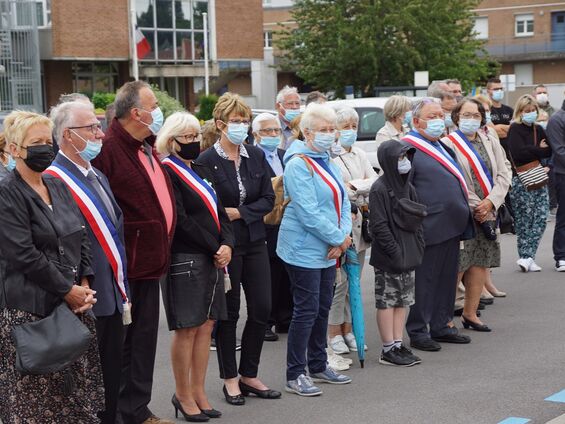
point(148, 244)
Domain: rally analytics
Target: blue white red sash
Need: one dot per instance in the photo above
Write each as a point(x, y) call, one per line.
point(189, 177)
point(100, 223)
point(323, 170)
point(477, 164)
point(426, 148)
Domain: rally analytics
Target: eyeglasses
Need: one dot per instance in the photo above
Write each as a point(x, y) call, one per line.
point(276, 131)
point(189, 138)
point(294, 105)
point(94, 128)
point(238, 121)
point(476, 116)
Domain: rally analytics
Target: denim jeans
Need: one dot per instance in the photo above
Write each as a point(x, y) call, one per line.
point(559, 233)
point(312, 292)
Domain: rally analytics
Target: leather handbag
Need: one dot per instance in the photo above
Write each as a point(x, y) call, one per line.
point(275, 216)
point(52, 343)
point(532, 175)
point(505, 220)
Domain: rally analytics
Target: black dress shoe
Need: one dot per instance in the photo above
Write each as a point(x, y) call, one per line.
point(474, 326)
point(486, 301)
point(234, 400)
point(270, 336)
point(263, 394)
point(481, 306)
point(194, 418)
point(212, 413)
point(453, 338)
point(427, 345)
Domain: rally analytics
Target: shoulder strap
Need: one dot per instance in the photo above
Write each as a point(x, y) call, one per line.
point(303, 157)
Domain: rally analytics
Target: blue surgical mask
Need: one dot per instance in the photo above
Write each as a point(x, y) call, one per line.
point(498, 95)
point(488, 117)
point(408, 118)
point(542, 124)
point(435, 128)
point(158, 118)
point(530, 117)
point(270, 143)
point(347, 137)
point(91, 150)
point(290, 114)
point(11, 165)
point(336, 150)
point(237, 133)
point(323, 141)
point(469, 126)
point(404, 166)
point(448, 120)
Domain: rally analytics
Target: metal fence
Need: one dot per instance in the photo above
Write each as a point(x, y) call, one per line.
point(20, 75)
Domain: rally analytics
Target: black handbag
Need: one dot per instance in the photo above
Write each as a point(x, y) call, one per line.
point(52, 343)
point(505, 220)
point(365, 229)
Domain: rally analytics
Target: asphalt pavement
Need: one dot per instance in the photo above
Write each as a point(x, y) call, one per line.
point(503, 375)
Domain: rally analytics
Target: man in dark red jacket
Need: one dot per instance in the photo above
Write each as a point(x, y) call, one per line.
point(143, 191)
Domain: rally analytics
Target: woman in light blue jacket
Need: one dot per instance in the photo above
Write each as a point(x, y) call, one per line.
point(315, 231)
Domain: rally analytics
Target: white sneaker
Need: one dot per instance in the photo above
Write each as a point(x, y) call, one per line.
point(330, 352)
point(352, 343)
point(338, 345)
point(524, 264)
point(337, 363)
point(560, 266)
point(534, 267)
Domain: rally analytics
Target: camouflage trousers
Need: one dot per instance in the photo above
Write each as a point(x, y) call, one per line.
point(393, 290)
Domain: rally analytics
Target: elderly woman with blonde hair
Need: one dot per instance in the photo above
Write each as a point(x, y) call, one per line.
point(193, 292)
point(398, 117)
point(46, 263)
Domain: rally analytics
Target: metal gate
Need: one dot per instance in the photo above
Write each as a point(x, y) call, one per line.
point(20, 75)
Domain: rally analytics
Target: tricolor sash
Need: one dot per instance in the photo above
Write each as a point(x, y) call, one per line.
point(189, 177)
point(323, 170)
point(431, 151)
point(477, 164)
point(102, 226)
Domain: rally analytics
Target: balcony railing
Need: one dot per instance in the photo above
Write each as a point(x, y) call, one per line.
point(543, 44)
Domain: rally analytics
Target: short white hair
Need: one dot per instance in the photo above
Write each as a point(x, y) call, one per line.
point(174, 126)
point(346, 114)
point(317, 112)
point(262, 117)
point(286, 90)
point(63, 116)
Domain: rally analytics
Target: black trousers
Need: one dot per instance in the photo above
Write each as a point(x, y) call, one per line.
point(281, 297)
point(140, 348)
point(110, 334)
point(559, 232)
point(249, 268)
point(436, 283)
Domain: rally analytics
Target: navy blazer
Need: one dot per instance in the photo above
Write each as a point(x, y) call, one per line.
point(255, 175)
point(107, 293)
point(449, 214)
point(273, 230)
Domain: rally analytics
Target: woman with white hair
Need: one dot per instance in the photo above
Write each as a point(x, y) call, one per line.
point(193, 292)
point(358, 177)
point(398, 116)
point(314, 233)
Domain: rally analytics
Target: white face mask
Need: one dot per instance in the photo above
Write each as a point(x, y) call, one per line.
point(542, 99)
point(404, 166)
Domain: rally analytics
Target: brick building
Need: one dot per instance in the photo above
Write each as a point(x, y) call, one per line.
point(85, 46)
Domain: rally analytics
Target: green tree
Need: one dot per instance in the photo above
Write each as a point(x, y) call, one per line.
point(370, 43)
point(207, 104)
point(168, 104)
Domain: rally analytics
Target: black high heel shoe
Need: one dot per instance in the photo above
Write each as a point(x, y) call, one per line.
point(474, 326)
point(212, 413)
point(263, 394)
point(195, 418)
point(234, 400)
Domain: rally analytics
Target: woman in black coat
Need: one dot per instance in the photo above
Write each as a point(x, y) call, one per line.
point(44, 260)
point(243, 184)
point(193, 292)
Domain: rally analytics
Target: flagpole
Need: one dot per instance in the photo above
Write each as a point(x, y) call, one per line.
point(206, 71)
point(135, 61)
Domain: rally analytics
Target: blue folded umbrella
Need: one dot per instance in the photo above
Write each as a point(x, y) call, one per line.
point(353, 271)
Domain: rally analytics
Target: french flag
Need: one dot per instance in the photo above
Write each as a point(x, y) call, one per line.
point(142, 44)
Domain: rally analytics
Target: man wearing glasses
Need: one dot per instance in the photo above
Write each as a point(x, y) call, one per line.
point(143, 191)
point(288, 107)
point(79, 136)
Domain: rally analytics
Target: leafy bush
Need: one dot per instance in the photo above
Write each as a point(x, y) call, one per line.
point(207, 104)
point(102, 100)
point(168, 104)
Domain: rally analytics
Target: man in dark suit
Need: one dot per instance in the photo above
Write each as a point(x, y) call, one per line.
point(80, 138)
point(144, 193)
point(267, 134)
point(441, 187)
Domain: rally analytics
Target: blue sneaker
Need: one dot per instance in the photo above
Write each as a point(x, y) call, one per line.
point(330, 376)
point(303, 386)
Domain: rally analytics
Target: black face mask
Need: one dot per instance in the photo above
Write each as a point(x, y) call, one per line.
point(188, 151)
point(39, 157)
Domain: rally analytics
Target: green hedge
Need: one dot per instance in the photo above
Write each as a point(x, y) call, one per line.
point(207, 104)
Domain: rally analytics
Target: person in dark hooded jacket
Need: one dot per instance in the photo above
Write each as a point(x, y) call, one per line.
point(397, 247)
